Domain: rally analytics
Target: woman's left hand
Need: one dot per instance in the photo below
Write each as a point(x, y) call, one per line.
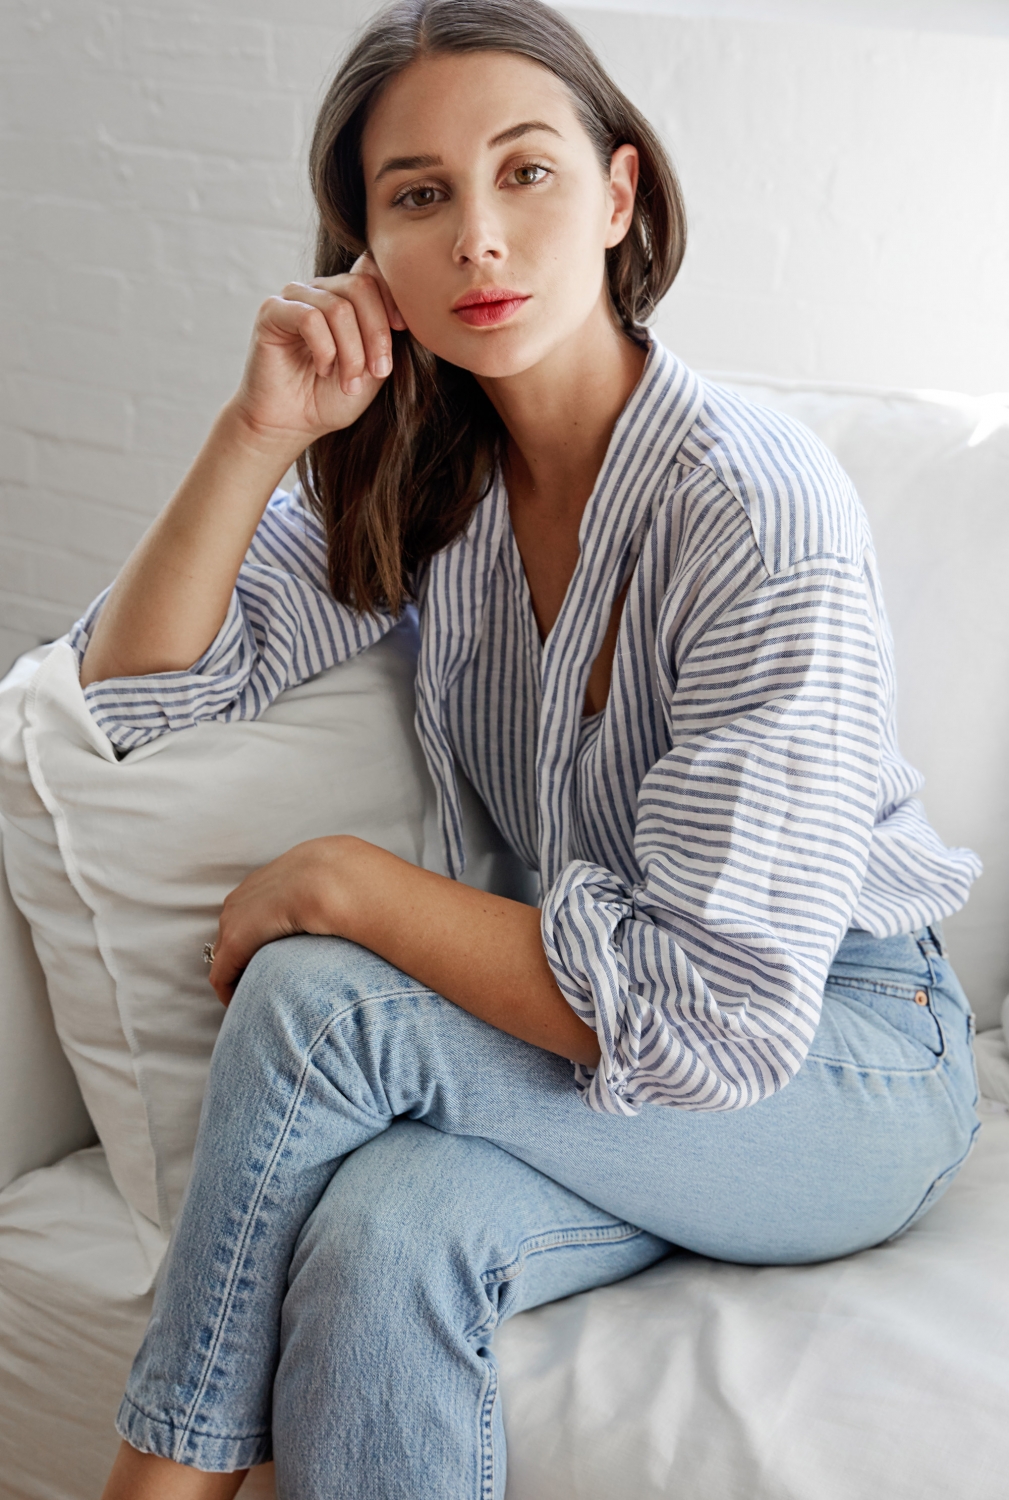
point(482, 952)
point(308, 889)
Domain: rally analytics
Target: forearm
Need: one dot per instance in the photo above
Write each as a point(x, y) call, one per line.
point(482, 952)
point(172, 595)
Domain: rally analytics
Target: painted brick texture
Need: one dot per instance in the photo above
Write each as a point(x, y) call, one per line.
point(152, 193)
point(846, 188)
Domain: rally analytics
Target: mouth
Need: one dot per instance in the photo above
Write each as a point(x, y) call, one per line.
point(492, 304)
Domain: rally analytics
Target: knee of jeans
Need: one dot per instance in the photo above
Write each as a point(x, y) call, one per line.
point(280, 974)
point(405, 1214)
point(272, 980)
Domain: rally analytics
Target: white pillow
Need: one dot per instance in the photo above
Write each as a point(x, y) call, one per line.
point(42, 1115)
point(86, 1014)
point(154, 842)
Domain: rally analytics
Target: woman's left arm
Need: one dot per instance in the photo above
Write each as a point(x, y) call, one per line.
point(482, 952)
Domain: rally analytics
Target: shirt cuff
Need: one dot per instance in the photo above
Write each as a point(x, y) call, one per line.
point(581, 927)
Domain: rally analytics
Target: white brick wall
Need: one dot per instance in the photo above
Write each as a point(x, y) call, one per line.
point(152, 194)
point(847, 191)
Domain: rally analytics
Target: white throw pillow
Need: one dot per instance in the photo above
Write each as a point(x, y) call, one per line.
point(154, 842)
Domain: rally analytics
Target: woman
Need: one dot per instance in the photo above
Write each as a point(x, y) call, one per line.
point(652, 635)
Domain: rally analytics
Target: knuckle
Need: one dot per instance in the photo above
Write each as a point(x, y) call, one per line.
point(344, 311)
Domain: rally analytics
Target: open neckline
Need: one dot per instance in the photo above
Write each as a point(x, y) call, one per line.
point(532, 629)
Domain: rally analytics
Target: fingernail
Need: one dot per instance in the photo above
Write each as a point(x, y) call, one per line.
point(354, 386)
point(383, 366)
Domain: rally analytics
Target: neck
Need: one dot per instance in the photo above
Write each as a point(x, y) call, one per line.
point(560, 414)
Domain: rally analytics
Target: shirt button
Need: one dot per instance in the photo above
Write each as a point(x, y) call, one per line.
point(920, 997)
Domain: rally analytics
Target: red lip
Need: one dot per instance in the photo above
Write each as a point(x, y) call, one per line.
point(491, 304)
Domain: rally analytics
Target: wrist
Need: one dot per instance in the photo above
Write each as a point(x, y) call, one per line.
point(345, 883)
point(272, 448)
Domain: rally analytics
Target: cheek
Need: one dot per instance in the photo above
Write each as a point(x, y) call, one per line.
point(396, 264)
point(415, 271)
point(568, 227)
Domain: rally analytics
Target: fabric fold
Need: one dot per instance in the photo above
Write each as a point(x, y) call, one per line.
point(282, 626)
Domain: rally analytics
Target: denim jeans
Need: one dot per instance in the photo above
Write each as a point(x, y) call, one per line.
point(380, 1179)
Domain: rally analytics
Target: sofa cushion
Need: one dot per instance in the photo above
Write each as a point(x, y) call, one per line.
point(153, 843)
point(884, 1374)
point(880, 1376)
point(43, 1113)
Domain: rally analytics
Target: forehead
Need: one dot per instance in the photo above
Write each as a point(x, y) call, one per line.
point(449, 103)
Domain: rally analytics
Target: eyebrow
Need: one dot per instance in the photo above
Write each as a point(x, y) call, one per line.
point(420, 163)
point(514, 131)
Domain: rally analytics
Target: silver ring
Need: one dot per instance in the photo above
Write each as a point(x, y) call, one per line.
point(208, 953)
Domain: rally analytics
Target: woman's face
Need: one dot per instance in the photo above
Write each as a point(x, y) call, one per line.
point(481, 179)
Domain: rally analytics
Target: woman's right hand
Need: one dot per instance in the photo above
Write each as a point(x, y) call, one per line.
point(319, 356)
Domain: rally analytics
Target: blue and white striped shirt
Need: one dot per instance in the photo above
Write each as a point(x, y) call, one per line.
point(705, 841)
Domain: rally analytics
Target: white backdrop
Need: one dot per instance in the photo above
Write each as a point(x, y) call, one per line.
point(847, 191)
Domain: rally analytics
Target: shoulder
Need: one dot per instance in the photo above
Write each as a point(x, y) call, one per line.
point(797, 500)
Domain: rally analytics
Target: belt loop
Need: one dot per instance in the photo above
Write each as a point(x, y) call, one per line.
point(934, 931)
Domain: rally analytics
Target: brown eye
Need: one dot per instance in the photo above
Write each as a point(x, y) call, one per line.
point(419, 197)
point(529, 175)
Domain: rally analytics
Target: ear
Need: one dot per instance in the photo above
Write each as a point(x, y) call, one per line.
point(623, 186)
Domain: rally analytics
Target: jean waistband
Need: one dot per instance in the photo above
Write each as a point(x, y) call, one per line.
point(930, 939)
point(903, 953)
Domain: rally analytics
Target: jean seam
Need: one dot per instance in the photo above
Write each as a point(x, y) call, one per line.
point(559, 1239)
point(840, 1062)
point(537, 1244)
point(486, 1423)
point(872, 987)
point(573, 1239)
point(356, 1004)
point(243, 1239)
point(224, 1437)
point(947, 1173)
point(297, 1097)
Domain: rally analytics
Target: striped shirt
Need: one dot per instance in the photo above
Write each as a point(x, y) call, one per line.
point(705, 841)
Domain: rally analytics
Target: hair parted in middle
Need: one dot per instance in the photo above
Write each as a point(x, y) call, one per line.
point(402, 482)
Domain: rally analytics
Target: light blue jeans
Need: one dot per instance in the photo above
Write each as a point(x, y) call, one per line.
point(380, 1179)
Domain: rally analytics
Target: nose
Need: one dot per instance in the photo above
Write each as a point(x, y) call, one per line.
point(479, 240)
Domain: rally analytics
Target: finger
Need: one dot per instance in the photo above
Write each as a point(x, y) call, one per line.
point(365, 295)
point(366, 265)
point(310, 324)
point(230, 960)
point(341, 314)
point(373, 321)
point(225, 972)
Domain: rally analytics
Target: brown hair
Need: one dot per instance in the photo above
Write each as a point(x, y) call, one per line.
point(403, 481)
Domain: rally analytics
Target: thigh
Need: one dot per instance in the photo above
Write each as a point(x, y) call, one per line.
point(838, 1160)
point(847, 1155)
point(418, 1218)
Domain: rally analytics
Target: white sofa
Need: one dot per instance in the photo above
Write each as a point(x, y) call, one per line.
point(882, 1375)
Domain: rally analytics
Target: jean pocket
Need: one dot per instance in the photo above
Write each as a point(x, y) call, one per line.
point(880, 1028)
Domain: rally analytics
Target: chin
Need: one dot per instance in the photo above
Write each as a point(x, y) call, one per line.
point(491, 354)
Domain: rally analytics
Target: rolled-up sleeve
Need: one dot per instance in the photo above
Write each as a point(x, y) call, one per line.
point(283, 626)
point(703, 980)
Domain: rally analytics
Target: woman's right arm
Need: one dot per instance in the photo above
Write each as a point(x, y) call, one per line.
point(318, 357)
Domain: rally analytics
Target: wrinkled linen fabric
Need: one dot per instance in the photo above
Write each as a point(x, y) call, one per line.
point(706, 840)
